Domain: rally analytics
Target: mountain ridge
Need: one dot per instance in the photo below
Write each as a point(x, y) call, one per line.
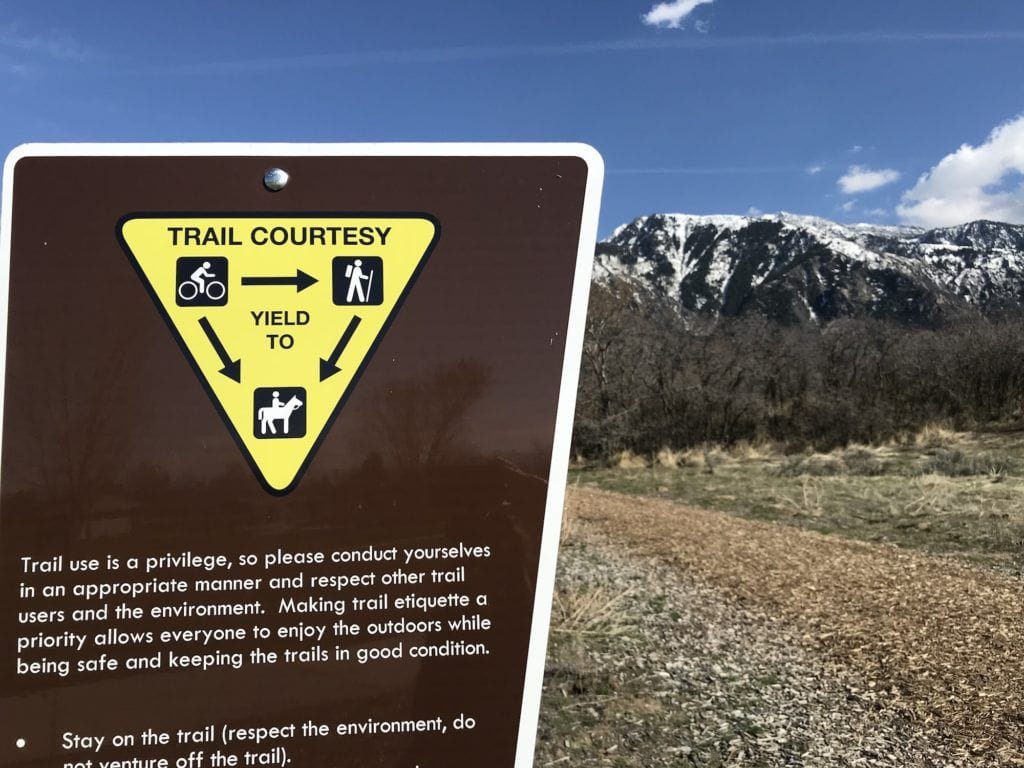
point(806, 269)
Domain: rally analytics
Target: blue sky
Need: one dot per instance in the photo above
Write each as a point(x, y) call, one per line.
point(826, 107)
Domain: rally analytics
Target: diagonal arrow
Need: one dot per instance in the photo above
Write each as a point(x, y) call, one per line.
point(329, 367)
point(301, 281)
point(232, 368)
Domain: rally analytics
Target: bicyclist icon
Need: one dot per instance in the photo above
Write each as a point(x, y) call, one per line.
point(201, 281)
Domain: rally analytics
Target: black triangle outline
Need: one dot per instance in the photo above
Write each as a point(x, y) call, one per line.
point(195, 366)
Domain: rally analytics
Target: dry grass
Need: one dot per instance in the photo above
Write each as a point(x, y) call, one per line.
point(930, 436)
point(693, 457)
point(936, 436)
point(747, 451)
point(808, 502)
point(963, 499)
point(584, 609)
point(568, 533)
point(709, 456)
point(669, 459)
point(588, 611)
point(629, 460)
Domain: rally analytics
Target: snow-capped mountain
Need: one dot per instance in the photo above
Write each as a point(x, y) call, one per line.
point(806, 269)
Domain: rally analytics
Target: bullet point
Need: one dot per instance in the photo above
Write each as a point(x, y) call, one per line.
point(20, 743)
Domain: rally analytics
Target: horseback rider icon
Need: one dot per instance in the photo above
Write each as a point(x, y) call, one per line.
point(279, 412)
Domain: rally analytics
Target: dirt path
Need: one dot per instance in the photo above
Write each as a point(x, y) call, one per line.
point(894, 647)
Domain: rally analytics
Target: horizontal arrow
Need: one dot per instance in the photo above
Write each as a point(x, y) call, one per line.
point(232, 368)
point(329, 367)
point(301, 281)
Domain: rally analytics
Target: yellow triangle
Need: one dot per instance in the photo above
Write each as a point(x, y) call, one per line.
point(278, 314)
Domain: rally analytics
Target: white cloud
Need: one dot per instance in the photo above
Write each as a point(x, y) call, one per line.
point(814, 170)
point(849, 206)
point(861, 179)
point(672, 14)
point(972, 183)
point(754, 211)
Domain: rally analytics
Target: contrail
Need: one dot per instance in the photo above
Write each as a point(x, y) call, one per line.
point(482, 53)
point(697, 171)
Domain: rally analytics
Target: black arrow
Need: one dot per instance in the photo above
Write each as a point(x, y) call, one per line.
point(329, 367)
point(232, 368)
point(301, 281)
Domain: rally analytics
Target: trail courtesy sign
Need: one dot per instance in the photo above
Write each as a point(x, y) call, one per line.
point(302, 301)
point(282, 466)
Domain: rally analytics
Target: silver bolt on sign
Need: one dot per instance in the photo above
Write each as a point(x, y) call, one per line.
point(275, 179)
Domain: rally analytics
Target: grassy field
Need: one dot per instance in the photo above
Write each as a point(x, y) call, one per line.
point(941, 492)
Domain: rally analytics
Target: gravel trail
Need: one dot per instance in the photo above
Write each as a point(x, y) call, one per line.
point(687, 637)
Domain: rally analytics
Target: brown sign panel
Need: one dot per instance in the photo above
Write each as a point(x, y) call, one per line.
point(282, 469)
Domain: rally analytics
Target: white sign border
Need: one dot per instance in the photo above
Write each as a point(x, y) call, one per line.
point(276, 151)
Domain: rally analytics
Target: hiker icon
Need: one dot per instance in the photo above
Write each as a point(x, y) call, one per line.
point(201, 281)
point(358, 280)
point(279, 412)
